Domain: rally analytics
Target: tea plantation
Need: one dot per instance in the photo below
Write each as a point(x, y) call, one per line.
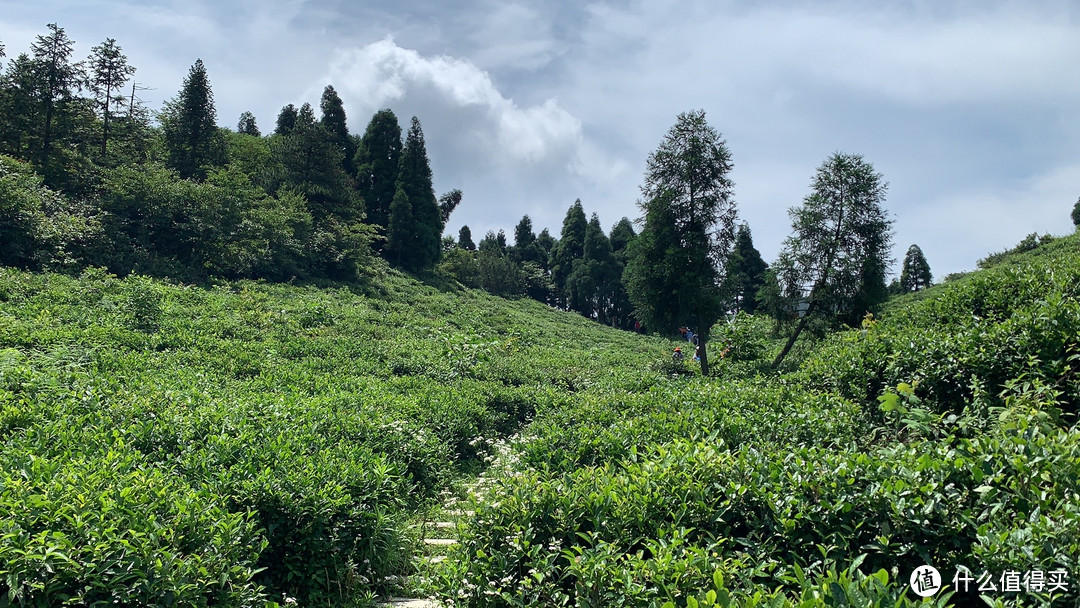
point(252, 444)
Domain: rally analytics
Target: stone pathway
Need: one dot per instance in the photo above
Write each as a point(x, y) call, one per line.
point(439, 536)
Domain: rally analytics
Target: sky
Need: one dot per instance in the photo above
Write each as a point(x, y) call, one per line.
point(970, 109)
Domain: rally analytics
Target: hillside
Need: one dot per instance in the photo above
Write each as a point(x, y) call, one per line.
point(169, 444)
point(942, 434)
point(178, 445)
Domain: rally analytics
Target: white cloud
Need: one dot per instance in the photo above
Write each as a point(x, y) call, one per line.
point(511, 35)
point(383, 73)
point(957, 229)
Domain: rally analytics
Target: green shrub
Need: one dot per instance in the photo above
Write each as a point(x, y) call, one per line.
point(142, 304)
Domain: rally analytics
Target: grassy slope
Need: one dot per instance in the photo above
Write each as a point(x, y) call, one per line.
point(162, 443)
point(943, 434)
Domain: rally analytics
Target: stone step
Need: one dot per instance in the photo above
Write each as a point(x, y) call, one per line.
point(408, 602)
point(459, 513)
point(440, 542)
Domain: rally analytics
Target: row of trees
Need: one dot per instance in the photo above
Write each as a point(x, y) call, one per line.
point(581, 271)
point(584, 270)
point(693, 261)
point(690, 266)
point(190, 199)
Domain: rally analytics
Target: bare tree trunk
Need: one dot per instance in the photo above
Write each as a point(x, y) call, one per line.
point(794, 336)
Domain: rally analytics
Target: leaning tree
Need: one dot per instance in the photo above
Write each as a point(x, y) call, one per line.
point(835, 260)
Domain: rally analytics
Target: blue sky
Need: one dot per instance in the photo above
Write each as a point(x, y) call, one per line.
point(970, 109)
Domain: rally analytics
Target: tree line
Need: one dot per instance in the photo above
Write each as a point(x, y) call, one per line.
point(89, 179)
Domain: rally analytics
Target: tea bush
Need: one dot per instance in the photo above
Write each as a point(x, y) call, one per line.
point(943, 433)
point(241, 443)
point(283, 435)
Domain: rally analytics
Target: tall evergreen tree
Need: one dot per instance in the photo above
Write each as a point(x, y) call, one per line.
point(1076, 214)
point(546, 245)
point(622, 234)
point(333, 120)
point(915, 274)
point(19, 131)
point(378, 160)
point(247, 126)
point(57, 79)
point(524, 249)
point(401, 232)
point(592, 283)
point(109, 71)
point(745, 272)
point(674, 274)
point(523, 233)
point(414, 178)
point(286, 120)
point(465, 240)
point(569, 251)
point(189, 123)
point(490, 243)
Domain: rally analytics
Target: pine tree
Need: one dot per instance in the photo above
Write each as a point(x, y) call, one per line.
point(378, 160)
point(490, 244)
point(401, 232)
point(622, 234)
point(189, 123)
point(915, 274)
point(569, 251)
point(465, 240)
point(286, 120)
point(109, 71)
point(1076, 213)
point(57, 80)
point(20, 108)
point(674, 276)
point(745, 272)
point(247, 126)
point(594, 281)
point(333, 121)
point(312, 164)
point(546, 245)
point(414, 179)
point(523, 233)
point(524, 249)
